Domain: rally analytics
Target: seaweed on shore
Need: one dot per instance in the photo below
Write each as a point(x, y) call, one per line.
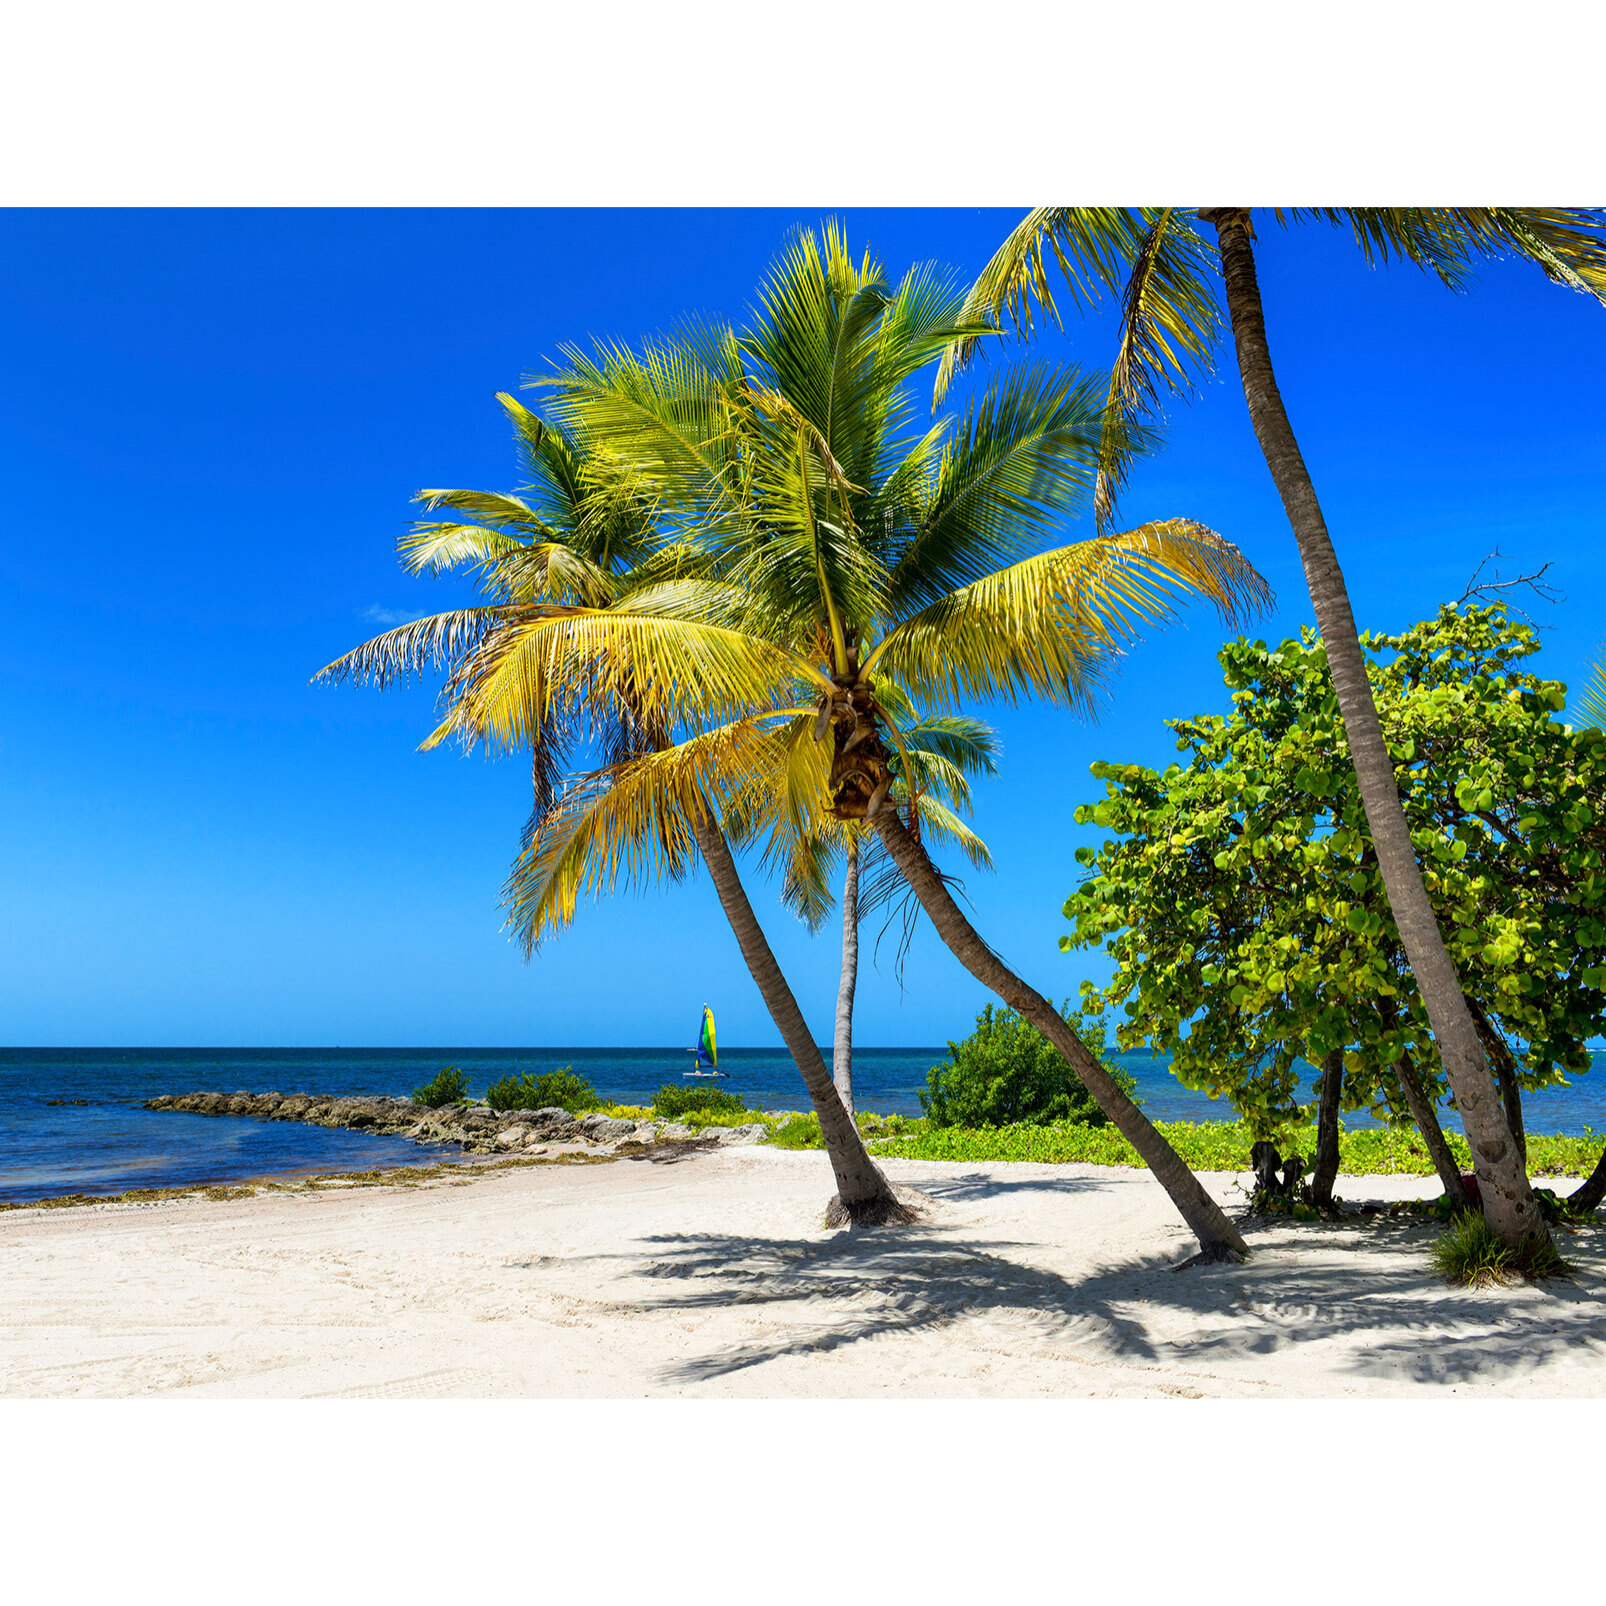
point(413, 1176)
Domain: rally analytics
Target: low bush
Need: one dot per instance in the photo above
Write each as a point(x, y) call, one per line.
point(710, 1104)
point(797, 1132)
point(552, 1089)
point(450, 1086)
point(802, 1131)
point(1216, 1146)
point(1007, 1073)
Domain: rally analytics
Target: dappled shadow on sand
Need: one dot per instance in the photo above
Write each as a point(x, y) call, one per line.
point(1365, 1294)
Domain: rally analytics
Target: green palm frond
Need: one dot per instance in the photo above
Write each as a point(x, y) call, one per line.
point(1022, 459)
point(1170, 323)
point(1567, 243)
point(1093, 247)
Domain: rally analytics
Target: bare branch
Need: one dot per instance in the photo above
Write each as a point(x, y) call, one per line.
point(1481, 590)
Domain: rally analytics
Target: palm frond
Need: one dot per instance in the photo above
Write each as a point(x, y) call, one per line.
point(1589, 708)
point(1170, 322)
point(1046, 625)
point(1093, 247)
point(1567, 243)
point(431, 643)
point(666, 669)
point(630, 821)
point(1022, 459)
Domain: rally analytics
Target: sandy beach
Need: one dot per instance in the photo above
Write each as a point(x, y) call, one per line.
point(713, 1276)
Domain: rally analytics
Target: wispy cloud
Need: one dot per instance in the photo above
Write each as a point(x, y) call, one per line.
point(389, 616)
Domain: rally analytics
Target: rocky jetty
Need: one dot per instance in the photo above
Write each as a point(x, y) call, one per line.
point(475, 1128)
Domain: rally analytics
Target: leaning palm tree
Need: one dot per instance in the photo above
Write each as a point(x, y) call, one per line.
point(860, 557)
point(570, 569)
point(1162, 269)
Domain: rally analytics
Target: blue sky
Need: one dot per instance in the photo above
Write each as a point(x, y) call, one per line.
point(212, 423)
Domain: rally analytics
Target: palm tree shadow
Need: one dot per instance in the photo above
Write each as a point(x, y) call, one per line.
point(1375, 1302)
point(871, 1285)
point(969, 1186)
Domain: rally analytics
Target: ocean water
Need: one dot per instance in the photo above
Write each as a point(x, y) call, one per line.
point(107, 1144)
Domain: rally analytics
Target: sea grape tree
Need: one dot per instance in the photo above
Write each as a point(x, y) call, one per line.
point(1240, 897)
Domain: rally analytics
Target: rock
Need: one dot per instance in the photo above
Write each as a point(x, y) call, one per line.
point(606, 1128)
point(675, 1132)
point(553, 1122)
point(511, 1138)
point(752, 1132)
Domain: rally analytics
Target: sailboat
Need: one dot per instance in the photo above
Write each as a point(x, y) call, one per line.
point(707, 1051)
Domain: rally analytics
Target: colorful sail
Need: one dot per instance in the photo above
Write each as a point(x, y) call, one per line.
point(707, 1051)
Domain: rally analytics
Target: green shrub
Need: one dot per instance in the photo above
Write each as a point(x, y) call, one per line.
point(672, 1103)
point(551, 1090)
point(1006, 1073)
point(449, 1087)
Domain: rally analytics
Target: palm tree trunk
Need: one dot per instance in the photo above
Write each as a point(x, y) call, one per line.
point(1427, 1123)
point(1218, 1238)
point(1505, 1071)
point(1332, 1086)
point(1589, 1196)
point(842, 1048)
point(863, 1197)
point(1508, 1201)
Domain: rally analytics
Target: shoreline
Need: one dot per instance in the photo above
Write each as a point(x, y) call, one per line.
point(551, 1133)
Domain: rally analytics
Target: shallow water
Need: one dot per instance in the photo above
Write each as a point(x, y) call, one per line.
point(108, 1144)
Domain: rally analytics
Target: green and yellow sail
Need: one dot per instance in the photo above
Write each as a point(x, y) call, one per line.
point(707, 1049)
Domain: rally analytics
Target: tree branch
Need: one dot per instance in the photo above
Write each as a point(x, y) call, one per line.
point(1480, 590)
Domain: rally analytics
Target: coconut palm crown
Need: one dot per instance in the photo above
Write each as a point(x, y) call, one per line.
point(856, 564)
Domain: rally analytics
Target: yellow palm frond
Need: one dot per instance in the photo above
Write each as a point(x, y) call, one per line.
point(1045, 626)
point(630, 821)
point(670, 672)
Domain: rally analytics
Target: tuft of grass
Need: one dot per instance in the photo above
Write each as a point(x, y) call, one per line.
point(1469, 1255)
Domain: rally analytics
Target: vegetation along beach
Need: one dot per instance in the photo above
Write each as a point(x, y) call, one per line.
point(1016, 655)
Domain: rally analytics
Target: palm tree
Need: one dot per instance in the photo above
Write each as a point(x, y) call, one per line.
point(572, 569)
point(943, 752)
point(1163, 269)
point(863, 561)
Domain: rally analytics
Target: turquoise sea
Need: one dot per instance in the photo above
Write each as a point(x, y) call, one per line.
point(70, 1121)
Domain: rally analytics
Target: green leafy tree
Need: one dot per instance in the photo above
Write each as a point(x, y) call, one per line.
point(1161, 267)
point(1243, 906)
point(1008, 1073)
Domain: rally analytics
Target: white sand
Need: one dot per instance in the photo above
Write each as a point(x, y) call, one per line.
point(713, 1276)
